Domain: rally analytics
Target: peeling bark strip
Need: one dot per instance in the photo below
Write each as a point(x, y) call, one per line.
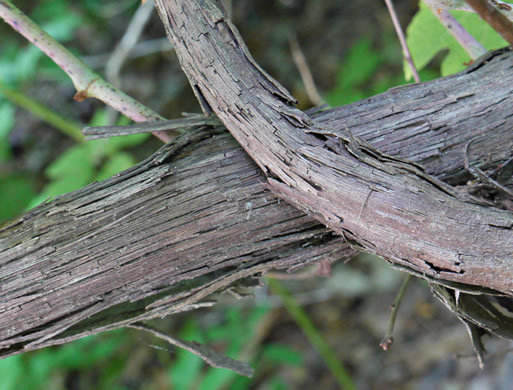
point(409, 218)
point(196, 217)
point(151, 241)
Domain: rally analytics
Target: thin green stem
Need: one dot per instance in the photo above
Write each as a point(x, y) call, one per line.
point(312, 334)
point(66, 126)
point(87, 82)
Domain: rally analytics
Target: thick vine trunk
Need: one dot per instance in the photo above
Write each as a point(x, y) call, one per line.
point(387, 206)
point(197, 216)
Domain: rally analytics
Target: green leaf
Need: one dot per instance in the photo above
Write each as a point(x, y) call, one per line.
point(57, 19)
point(217, 378)
point(282, 354)
point(62, 28)
point(39, 367)
point(71, 171)
point(11, 371)
point(278, 384)
point(234, 331)
point(6, 124)
point(75, 162)
point(16, 192)
point(187, 366)
point(358, 67)
point(426, 37)
point(126, 141)
point(25, 65)
point(99, 118)
point(241, 383)
point(8, 53)
point(117, 163)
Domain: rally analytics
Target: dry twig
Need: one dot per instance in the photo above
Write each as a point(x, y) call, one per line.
point(402, 39)
point(209, 356)
point(304, 71)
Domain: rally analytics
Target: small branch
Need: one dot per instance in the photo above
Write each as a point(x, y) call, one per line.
point(464, 38)
point(127, 42)
point(494, 18)
point(460, 5)
point(141, 49)
point(479, 174)
point(86, 81)
point(387, 341)
point(471, 45)
point(125, 46)
point(304, 71)
point(402, 40)
point(209, 356)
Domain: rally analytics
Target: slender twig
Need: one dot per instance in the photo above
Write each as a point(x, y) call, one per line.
point(479, 174)
point(86, 81)
point(460, 5)
point(494, 18)
point(125, 45)
point(387, 341)
point(304, 71)
point(141, 49)
point(167, 125)
point(62, 124)
point(127, 42)
point(308, 273)
point(470, 44)
point(402, 40)
point(211, 357)
point(503, 166)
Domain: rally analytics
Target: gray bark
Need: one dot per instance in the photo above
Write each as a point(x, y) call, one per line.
point(385, 205)
point(198, 217)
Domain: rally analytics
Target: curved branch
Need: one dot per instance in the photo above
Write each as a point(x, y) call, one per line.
point(385, 205)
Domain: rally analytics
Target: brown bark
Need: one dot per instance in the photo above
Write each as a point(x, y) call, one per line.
point(160, 237)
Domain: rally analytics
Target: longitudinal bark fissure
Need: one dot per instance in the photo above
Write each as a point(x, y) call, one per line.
point(277, 131)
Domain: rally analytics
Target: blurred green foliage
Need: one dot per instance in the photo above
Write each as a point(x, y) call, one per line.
point(366, 71)
point(46, 369)
point(88, 162)
point(189, 371)
point(105, 356)
point(79, 165)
